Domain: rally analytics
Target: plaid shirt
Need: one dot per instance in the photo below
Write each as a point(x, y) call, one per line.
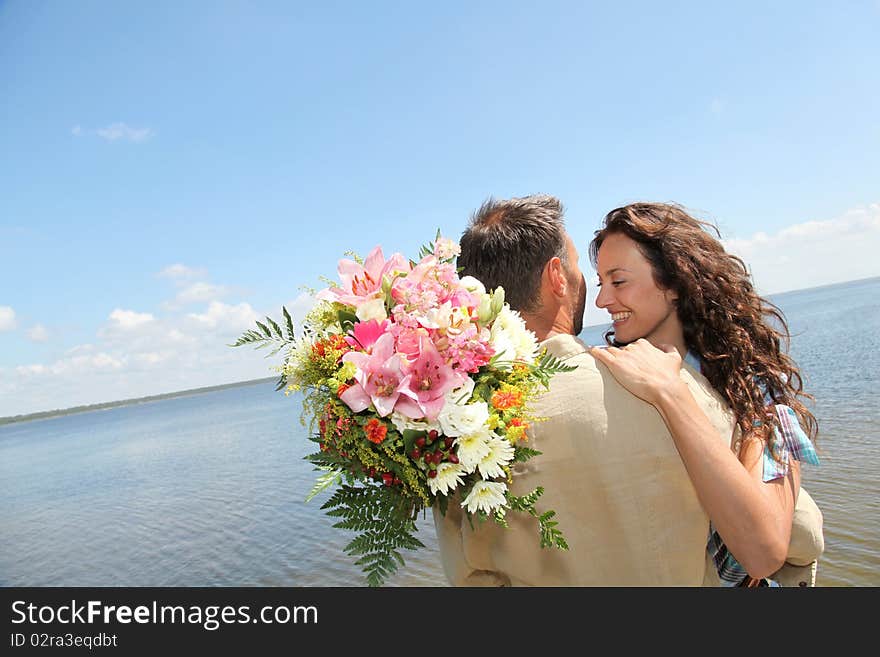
point(790, 441)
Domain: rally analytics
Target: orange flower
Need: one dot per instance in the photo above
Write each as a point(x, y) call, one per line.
point(375, 431)
point(342, 388)
point(516, 429)
point(318, 350)
point(338, 343)
point(504, 399)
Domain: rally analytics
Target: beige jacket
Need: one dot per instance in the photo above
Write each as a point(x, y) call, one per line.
point(611, 471)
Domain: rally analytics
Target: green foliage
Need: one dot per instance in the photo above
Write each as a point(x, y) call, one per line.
point(274, 337)
point(331, 477)
point(526, 502)
point(549, 365)
point(550, 535)
point(385, 523)
point(428, 249)
point(354, 256)
point(347, 319)
point(522, 454)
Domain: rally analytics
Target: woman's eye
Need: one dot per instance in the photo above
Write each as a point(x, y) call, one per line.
point(617, 283)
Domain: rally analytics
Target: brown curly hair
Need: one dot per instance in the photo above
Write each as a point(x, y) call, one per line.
point(737, 334)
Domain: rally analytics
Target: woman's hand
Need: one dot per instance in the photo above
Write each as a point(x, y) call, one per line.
point(642, 368)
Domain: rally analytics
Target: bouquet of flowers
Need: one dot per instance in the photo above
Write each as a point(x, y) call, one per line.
point(416, 387)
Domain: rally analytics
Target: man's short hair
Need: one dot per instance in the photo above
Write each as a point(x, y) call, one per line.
point(508, 243)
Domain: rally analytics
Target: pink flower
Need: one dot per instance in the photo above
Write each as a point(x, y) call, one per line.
point(379, 378)
point(430, 378)
point(361, 283)
point(409, 341)
point(469, 350)
point(364, 334)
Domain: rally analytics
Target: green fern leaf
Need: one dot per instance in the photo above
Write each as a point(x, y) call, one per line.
point(288, 322)
point(329, 478)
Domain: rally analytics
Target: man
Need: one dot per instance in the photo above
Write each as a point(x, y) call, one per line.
point(608, 466)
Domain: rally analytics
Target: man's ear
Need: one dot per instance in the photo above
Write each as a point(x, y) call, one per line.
point(556, 276)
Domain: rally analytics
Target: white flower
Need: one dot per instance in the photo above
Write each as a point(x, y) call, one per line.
point(473, 285)
point(300, 350)
point(462, 394)
point(505, 351)
point(472, 449)
point(510, 338)
point(401, 422)
point(485, 496)
point(372, 309)
point(461, 419)
point(448, 478)
point(500, 454)
point(445, 318)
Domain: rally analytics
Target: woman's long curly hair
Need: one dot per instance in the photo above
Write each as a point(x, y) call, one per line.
point(738, 334)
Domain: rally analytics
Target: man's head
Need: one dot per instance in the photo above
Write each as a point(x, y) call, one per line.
point(521, 244)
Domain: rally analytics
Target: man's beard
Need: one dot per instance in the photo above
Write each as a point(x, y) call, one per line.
point(580, 308)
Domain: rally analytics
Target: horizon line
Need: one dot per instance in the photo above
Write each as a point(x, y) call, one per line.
point(83, 408)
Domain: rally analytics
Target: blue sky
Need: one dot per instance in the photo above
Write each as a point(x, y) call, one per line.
point(170, 171)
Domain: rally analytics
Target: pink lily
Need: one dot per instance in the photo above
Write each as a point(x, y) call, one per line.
point(364, 334)
point(379, 378)
point(361, 283)
point(430, 378)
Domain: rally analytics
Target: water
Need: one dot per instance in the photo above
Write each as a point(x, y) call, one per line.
point(208, 489)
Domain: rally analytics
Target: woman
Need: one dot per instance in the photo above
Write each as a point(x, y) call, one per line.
point(674, 294)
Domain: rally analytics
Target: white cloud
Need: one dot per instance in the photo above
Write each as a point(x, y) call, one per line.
point(76, 131)
point(222, 316)
point(129, 319)
point(83, 364)
point(80, 349)
point(137, 353)
point(7, 318)
point(26, 370)
point(117, 131)
point(178, 271)
point(814, 252)
point(38, 333)
point(198, 292)
point(152, 358)
point(299, 308)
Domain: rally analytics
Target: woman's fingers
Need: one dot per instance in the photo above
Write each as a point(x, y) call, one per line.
point(602, 355)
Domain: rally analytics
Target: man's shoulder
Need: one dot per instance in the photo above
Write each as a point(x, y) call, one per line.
point(571, 350)
point(568, 348)
point(591, 376)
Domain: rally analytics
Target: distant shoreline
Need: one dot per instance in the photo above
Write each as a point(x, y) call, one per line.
point(42, 415)
point(194, 391)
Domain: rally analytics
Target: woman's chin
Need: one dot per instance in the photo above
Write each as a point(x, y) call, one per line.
point(621, 334)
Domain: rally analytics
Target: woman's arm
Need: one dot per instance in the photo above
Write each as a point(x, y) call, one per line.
point(754, 518)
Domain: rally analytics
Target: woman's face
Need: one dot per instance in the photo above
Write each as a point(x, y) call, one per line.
point(638, 307)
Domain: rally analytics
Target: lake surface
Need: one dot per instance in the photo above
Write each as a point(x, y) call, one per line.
point(209, 489)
